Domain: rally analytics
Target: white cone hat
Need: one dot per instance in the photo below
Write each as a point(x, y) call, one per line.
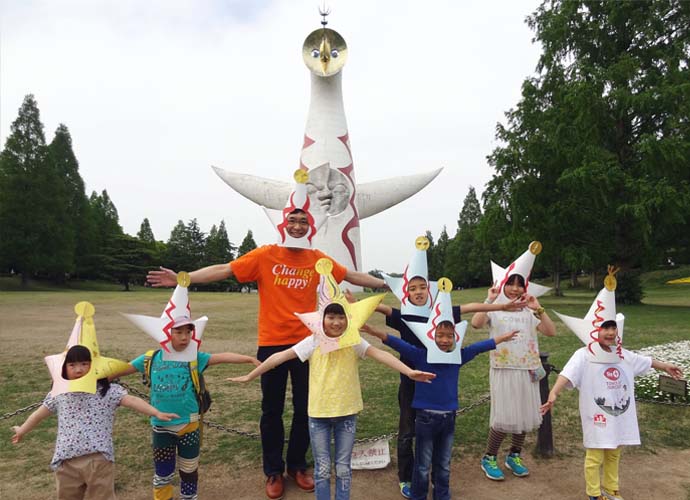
point(587, 329)
point(442, 310)
point(417, 267)
point(176, 313)
point(523, 267)
point(298, 199)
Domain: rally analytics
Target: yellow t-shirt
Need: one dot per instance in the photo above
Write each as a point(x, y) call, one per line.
point(334, 389)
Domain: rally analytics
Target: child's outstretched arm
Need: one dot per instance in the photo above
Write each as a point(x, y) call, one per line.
point(480, 319)
point(231, 357)
point(506, 337)
point(34, 419)
point(475, 307)
point(274, 360)
point(382, 308)
point(388, 359)
point(375, 331)
point(669, 368)
point(561, 383)
point(123, 373)
point(138, 404)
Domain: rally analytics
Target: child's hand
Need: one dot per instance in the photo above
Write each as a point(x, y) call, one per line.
point(350, 298)
point(517, 304)
point(493, 292)
point(166, 417)
point(420, 376)
point(546, 407)
point(367, 328)
point(506, 336)
point(243, 378)
point(18, 435)
point(531, 301)
point(256, 362)
point(673, 371)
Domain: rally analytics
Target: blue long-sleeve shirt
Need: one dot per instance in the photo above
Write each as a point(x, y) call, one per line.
point(442, 393)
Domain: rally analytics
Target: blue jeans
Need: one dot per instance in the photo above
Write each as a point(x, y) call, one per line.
point(433, 449)
point(343, 431)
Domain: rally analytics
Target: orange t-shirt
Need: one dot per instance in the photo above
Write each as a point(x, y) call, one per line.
point(287, 284)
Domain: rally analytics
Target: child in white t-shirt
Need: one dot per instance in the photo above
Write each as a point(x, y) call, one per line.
point(607, 406)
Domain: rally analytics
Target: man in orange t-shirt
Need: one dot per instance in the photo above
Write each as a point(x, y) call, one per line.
point(287, 284)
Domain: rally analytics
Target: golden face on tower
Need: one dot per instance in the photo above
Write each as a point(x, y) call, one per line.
point(324, 52)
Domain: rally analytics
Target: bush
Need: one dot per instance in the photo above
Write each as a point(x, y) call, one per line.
point(629, 288)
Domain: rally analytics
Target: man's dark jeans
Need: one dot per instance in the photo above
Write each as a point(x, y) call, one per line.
point(273, 385)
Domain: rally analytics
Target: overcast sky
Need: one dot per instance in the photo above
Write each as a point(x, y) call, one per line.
point(154, 92)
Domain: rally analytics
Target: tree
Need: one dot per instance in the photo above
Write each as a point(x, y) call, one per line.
point(126, 260)
point(78, 229)
point(145, 233)
point(593, 160)
point(436, 260)
point(466, 262)
point(248, 244)
point(219, 249)
point(31, 201)
point(176, 248)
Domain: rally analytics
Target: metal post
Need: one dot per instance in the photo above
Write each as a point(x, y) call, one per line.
point(545, 434)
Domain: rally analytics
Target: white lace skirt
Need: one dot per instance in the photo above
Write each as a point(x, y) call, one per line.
point(515, 401)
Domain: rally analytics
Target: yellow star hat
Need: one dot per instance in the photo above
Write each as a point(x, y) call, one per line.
point(83, 333)
point(357, 313)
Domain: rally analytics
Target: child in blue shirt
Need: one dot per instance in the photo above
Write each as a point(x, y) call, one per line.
point(435, 405)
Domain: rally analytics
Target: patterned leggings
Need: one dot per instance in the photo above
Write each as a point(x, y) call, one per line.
point(167, 443)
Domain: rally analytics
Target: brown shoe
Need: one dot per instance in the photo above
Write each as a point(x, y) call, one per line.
point(275, 487)
point(304, 481)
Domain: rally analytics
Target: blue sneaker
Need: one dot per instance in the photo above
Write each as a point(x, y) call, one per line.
point(406, 489)
point(514, 463)
point(490, 468)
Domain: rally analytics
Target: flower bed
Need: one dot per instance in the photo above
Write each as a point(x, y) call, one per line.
point(678, 353)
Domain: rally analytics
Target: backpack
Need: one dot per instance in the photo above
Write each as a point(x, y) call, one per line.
point(203, 397)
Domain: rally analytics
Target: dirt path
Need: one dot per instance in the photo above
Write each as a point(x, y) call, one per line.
point(644, 476)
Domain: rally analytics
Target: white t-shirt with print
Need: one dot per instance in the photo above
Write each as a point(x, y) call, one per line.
point(607, 398)
point(522, 352)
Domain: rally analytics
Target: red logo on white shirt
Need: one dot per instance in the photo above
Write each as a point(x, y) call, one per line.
point(600, 419)
point(612, 374)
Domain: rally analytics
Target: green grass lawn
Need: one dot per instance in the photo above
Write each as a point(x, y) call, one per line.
point(36, 323)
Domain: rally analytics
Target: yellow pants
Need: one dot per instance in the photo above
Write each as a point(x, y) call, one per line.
point(595, 458)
